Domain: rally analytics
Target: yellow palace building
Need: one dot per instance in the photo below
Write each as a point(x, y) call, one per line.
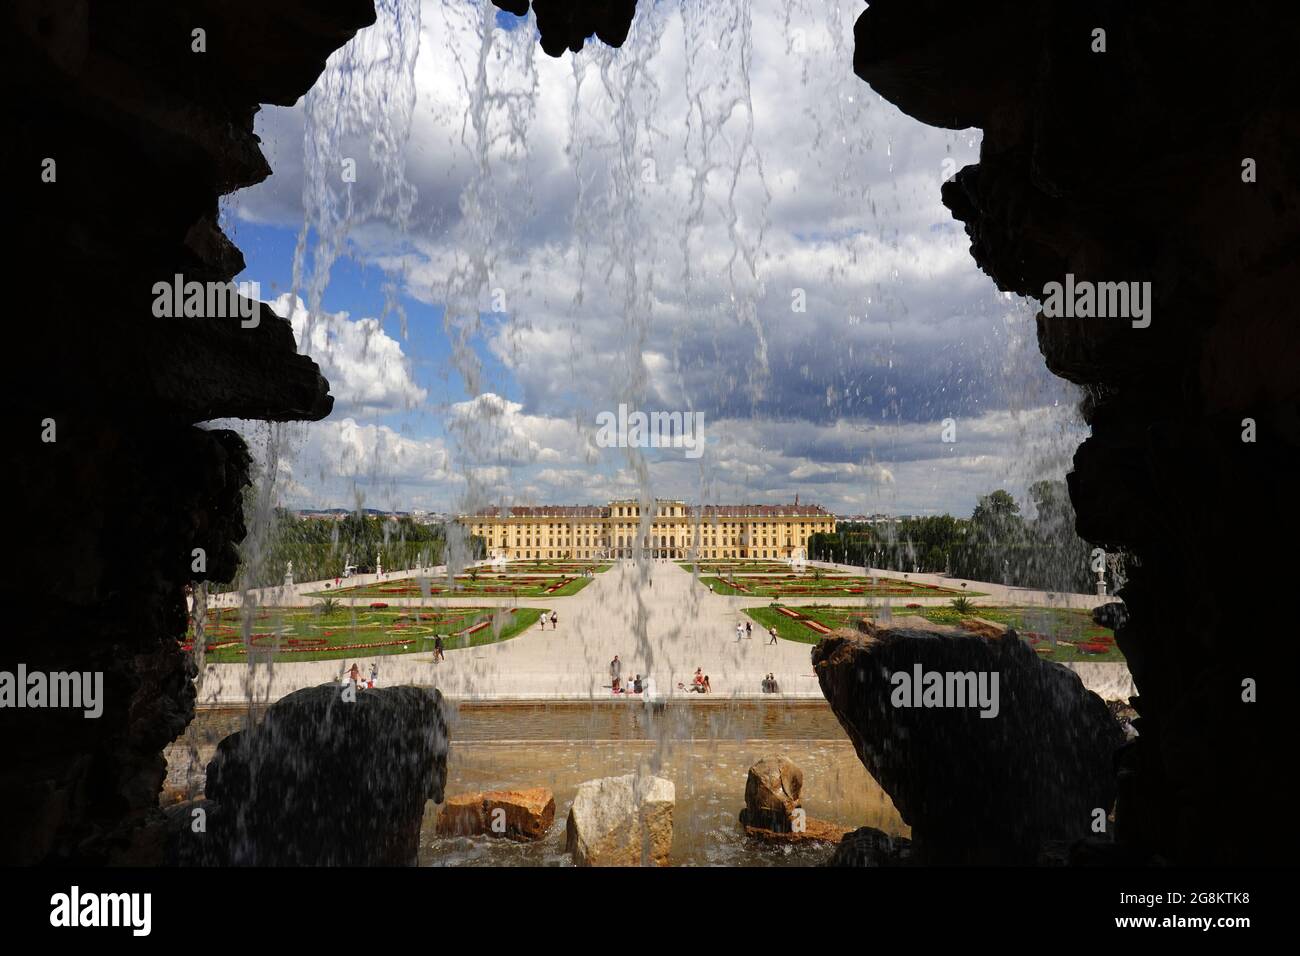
point(675, 530)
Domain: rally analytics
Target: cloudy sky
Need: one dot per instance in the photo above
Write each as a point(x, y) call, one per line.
point(718, 218)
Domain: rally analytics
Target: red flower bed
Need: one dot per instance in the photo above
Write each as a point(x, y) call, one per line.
point(1091, 648)
point(378, 604)
point(341, 647)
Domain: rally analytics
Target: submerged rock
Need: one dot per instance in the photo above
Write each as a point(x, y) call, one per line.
point(517, 814)
point(621, 821)
point(325, 782)
point(867, 846)
point(809, 831)
point(986, 750)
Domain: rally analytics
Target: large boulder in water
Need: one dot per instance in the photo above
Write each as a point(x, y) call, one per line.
point(621, 821)
point(997, 755)
point(517, 814)
point(772, 791)
point(322, 781)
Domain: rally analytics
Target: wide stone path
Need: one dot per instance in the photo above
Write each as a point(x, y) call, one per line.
point(656, 617)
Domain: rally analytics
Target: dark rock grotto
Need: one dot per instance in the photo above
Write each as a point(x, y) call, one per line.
point(1123, 165)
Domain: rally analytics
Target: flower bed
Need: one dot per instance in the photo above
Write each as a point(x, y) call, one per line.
point(338, 647)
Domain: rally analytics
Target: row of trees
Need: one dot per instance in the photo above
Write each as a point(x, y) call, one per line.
point(996, 543)
point(321, 548)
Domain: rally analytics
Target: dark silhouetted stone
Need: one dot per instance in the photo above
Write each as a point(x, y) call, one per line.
point(974, 789)
point(323, 781)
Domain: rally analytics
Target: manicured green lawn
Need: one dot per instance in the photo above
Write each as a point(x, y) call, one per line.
point(308, 634)
point(1070, 627)
point(483, 583)
point(769, 585)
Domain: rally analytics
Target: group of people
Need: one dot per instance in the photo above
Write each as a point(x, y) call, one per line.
point(554, 618)
point(634, 686)
point(746, 631)
point(354, 675)
point(770, 685)
point(699, 683)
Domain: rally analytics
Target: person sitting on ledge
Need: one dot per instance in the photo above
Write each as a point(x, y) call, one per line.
point(706, 688)
point(697, 682)
point(636, 684)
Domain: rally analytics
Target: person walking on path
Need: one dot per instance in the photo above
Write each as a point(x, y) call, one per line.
point(749, 630)
point(554, 617)
point(437, 648)
point(740, 632)
point(615, 672)
point(772, 630)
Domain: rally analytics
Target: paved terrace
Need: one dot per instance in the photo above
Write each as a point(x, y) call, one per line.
point(657, 618)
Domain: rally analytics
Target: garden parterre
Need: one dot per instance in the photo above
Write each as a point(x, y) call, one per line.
point(805, 585)
point(311, 633)
point(1055, 634)
point(478, 583)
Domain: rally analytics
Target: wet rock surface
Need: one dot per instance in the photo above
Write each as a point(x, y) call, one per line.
point(621, 821)
point(1168, 158)
point(974, 789)
point(324, 781)
point(772, 789)
point(567, 24)
point(120, 142)
point(867, 846)
point(773, 812)
point(517, 814)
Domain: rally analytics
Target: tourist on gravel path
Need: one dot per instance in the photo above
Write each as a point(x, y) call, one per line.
point(772, 631)
point(749, 630)
point(437, 649)
point(554, 617)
